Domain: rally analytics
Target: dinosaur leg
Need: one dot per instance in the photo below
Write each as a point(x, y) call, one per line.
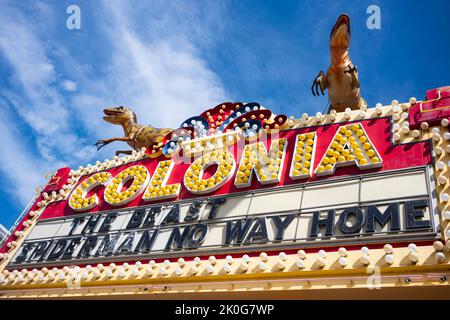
point(101, 143)
point(129, 152)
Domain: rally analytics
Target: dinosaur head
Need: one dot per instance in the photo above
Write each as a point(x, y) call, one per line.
point(340, 34)
point(119, 115)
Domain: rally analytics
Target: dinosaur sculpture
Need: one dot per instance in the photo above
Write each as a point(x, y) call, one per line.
point(136, 135)
point(341, 78)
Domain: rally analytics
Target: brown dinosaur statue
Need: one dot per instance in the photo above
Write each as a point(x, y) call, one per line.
point(341, 78)
point(136, 135)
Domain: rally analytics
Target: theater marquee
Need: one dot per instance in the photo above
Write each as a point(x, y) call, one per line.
point(240, 181)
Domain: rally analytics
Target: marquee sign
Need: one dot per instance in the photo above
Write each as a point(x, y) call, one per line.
point(239, 179)
point(202, 171)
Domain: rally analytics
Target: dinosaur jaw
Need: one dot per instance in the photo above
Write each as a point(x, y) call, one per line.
point(112, 115)
point(340, 34)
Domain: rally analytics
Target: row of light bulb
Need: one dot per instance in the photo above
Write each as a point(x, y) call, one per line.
point(108, 164)
point(442, 167)
point(441, 176)
point(18, 234)
point(211, 266)
point(362, 113)
point(204, 145)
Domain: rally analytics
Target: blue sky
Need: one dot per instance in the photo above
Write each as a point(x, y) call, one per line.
point(171, 60)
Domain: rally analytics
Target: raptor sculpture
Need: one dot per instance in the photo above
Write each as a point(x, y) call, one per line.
point(136, 135)
point(341, 78)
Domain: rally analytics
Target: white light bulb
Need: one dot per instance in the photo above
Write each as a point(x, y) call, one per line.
point(262, 266)
point(413, 257)
point(322, 254)
point(300, 263)
point(436, 137)
point(343, 261)
point(389, 258)
point(378, 109)
point(412, 247)
point(424, 126)
point(342, 252)
point(388, 248)
point(227, 268)
point(162, 271)
point(210, 268)
point(243, 266)
point(365, 259)
point(438, 246)
point(301, 254)
point(440, 257)
point(212, 260)
point(178, 271)
point(446, 215)
point(263, 256)
point(442, 180)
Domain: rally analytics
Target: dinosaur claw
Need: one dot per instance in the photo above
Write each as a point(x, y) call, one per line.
point(100, 144)
point(317, 85)
point(317, 88)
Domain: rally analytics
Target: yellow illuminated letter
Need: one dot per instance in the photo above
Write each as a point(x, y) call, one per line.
point(303, 157)
point(193, 179)
point(78, 200)
point(350, 145)
point(158, 189)
point(267, 165)
point(115, 195)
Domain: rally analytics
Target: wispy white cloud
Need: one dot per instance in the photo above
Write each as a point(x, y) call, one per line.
point(163, 78)
point(69, 85)
point(36, 98)
point(155, 66)
point(17, 162)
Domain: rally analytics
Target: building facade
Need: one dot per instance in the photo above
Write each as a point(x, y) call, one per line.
point(241, 203)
